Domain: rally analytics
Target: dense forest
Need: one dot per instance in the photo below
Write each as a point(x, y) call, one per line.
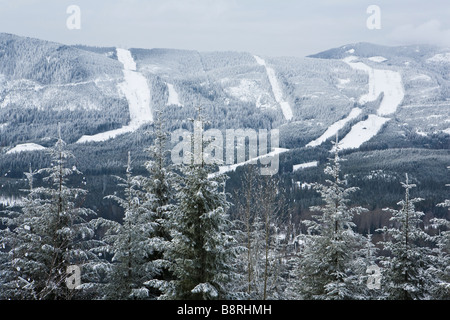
point(181, 233)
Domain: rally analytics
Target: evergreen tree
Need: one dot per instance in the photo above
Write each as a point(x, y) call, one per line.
point(326, 267)
point(405, 274)
point(158, 200)
point(49, 234)
point(202, 250)
point(131, 243)
point(440, 268)
point(368, 272)
point(261, 262)
point(441, 265)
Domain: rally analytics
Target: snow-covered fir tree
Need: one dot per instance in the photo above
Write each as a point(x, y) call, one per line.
point(158, 200)
point(202, 251)
point(131, 242)
point(405, 275)
point(268, 242)
point(368, 271)
point(441, 264)
point(326, 266)
point(440, 268)
point(250, 236)
point(50, 233)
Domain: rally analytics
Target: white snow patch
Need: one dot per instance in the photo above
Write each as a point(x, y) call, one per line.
point(233, 167)
point(126, 58)
point(351, 51)
point(305, 165)
point(387, 81)
point(304, 185)
point(334, 128)
point(26, 147)
point(246, 91)
point(362, 132)
point(420, 77)
point(173, 96)
point(276, 89)
point(447, 131)
point(377, 59)
point(440, 57)
point(136, 91)
point(343, 82)
point(421, 133)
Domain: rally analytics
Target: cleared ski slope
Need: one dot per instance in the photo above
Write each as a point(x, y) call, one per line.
point(381, 81)
point(276, 89)
point(136, 91)
point(233, 167)
point(173, 96)
point(26, 147)
point(362, 132)
point(334, 128)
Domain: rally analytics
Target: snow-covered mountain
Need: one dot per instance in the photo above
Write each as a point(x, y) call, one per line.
point(105, 98)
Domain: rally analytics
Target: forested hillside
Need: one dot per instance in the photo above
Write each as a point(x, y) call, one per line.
point(101, 109)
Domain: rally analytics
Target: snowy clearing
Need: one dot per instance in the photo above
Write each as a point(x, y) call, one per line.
point(440, 57)
point(377, 59)
point(362, 132)
point(447, 131)
point(420, 77)
point(245, 91)
point(233, 167)
point(173, 96)
point(421, 133)
point(334, 128)
point(387, 81)
point(126, 58)
point(306, 165)
point(26, 147)
point(136, 91)
point(276, 89)
point(343, 82)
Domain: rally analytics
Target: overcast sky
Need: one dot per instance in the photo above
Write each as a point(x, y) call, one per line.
point(264, 27)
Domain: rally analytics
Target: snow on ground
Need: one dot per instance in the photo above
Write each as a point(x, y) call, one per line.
point(136, 91)
point(26, 147)
point(104, 136)
point(305, 165)
point(362, 132)
point(420, 77)
point(377, 59)
point(173, 96)
point(245, 91)
point(421, 133)
point(126, 58)
point(343, 82)
point(276, 88)
point(440, 57)
point(387, 81)
point(447, 131)
point(233, 167)
point(334, 128)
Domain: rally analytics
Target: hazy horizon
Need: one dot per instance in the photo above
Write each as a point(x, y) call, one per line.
point(265, 27)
